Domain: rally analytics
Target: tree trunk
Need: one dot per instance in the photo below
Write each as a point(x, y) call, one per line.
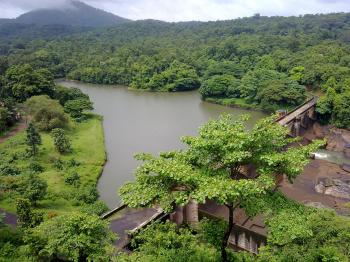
point(227, 234)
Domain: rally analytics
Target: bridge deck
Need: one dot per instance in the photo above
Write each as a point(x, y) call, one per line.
point(127, 220)
point(298, 111)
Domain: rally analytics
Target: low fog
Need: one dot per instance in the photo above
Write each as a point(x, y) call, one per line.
point(179, 10)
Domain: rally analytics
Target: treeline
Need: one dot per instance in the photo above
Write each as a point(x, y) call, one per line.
point(20, 83)
point(258, 62)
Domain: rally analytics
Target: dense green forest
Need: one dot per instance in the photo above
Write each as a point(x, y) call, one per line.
point(48, 174)
point(259, 62)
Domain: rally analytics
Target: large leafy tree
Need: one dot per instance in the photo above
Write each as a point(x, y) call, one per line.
point(178, 77)
point(220, 86)
point(72, 237)
point(307, 235)
point(212, 167)
point(23, 81)
point(76, 107)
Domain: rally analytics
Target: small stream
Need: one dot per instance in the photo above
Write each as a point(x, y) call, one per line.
point(332, 156)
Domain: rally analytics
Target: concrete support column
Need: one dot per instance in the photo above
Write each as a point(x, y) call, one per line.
point(253, 246)
point(296, 127)
point(192, 213)
point(232, 238)
point(178, 215)
point(241, 240)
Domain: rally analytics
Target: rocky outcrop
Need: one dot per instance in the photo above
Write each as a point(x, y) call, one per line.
point(333, 187)
point(338, 140)
point(320, 131)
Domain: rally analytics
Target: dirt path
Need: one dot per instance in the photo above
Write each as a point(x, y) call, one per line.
point(18, 128)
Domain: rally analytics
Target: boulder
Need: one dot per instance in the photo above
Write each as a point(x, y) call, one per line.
point(338, 139)
point(320, 188)
point(319, 130)
point(333, 187)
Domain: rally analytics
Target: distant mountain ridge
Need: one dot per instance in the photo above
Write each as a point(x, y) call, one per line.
point(73, 13)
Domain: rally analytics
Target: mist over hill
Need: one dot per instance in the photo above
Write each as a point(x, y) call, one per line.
point(72, 13)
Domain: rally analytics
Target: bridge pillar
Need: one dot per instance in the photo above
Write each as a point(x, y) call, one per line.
point(242, 240)
point(253, 245)
point(178, 215)
point(191, 213)
point(312, 113)
point(296, 127)
point(304, 120)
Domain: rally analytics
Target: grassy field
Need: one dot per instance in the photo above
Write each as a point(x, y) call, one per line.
point(87, 159)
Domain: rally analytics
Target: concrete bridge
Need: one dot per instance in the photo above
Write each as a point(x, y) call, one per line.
point(126, 221)
point(300, 118)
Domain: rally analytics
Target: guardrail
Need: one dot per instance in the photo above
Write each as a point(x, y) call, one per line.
point(297, 108)
point(112, 211)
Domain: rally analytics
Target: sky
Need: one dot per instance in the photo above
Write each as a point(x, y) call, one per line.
point(186, 10)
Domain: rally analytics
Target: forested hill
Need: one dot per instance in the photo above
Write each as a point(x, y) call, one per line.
point(72, 13)
point(73, 17)
point(261, 62)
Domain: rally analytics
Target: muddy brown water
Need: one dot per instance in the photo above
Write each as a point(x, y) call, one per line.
point(136, 121)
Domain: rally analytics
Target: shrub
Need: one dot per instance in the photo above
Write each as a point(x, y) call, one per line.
point(35, 167)
point(33, 188)
point(73, 163)
point(88, 194)
point(73, 179)
point(47, 113)
point(96, 208)
point(9, 170)
point(58, 164)
point(61, 141)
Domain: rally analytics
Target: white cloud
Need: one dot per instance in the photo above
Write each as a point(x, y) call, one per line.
point(185, 10)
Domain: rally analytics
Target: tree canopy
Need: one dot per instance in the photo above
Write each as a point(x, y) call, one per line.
point(73, 237)
point(213, 167)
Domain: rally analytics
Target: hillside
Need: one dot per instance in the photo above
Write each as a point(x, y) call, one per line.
point(74, 14)
point(257, 62)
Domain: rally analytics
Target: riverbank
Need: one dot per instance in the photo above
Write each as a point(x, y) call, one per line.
point(87, 160)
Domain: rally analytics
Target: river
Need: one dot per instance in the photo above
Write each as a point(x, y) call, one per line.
point(136, 121)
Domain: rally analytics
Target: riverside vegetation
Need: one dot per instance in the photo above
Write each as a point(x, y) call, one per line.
point(258, 62)
point(48, 174)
